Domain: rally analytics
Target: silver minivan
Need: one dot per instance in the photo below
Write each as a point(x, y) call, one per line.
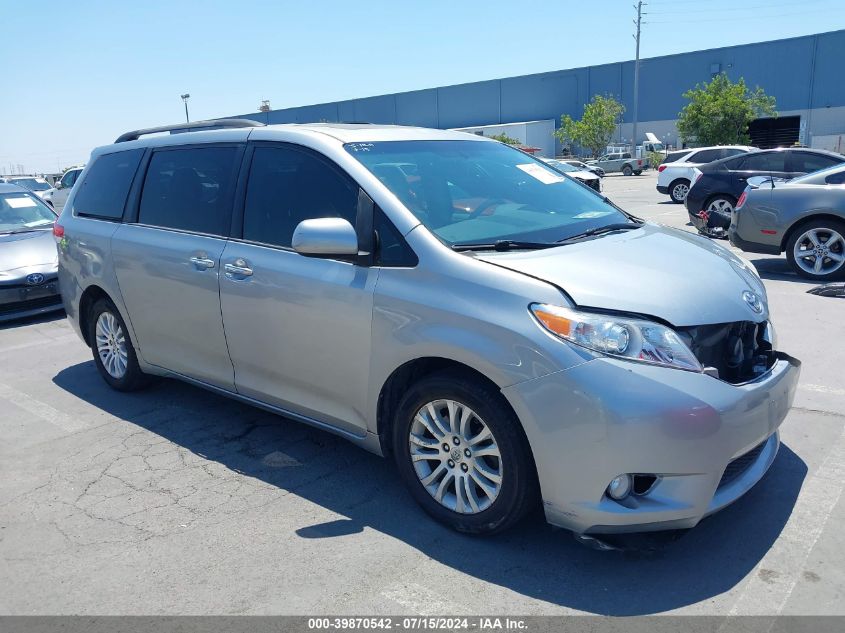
point(508, 336)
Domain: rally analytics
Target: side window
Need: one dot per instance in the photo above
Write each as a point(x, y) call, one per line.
point(391, 250)
point(70, 178)
point(287, 185)
point(732, 151)
point(759, 161)
point(706, 156)
point(807, 162)
point(190, 189)
point(103, 192)
point(836, 179)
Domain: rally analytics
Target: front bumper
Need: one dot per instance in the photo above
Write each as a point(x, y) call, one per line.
point(20, 300)
point(607, 417)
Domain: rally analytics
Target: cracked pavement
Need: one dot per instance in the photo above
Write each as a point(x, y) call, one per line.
point(178, 501)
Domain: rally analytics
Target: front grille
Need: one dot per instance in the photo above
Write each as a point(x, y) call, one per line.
point(34, 304)
point(740, 464)
point(738, 352)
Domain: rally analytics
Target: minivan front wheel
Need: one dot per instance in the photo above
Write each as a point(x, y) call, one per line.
point(462, 454)
point(114, 355)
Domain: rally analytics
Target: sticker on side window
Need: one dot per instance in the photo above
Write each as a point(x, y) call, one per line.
point(546, 176)
point(20, 203)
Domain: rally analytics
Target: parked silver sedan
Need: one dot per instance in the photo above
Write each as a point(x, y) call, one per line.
point(28, 260)
point(805, 217)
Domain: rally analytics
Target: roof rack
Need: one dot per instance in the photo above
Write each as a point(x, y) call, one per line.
point(187, 127)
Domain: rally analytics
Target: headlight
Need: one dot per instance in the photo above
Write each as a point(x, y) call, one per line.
point(631, 339)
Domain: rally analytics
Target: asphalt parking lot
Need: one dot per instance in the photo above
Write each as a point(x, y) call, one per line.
point(177, 501)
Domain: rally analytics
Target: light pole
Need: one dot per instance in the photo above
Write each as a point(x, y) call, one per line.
point(637, 22)
point(185, 98)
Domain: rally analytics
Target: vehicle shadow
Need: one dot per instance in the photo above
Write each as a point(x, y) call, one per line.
point(33, 320)
point(778, 269)
point(533, 559)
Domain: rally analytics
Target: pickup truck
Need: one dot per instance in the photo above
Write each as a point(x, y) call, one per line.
point(611, 163)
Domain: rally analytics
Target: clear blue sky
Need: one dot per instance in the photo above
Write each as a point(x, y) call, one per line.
point(77, 74)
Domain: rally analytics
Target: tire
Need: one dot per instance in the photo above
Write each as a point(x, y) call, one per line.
point(626, 170)
point(678, 190)
point(118, 364)
point(721, 202)
point(818, 267)
point(472, 510)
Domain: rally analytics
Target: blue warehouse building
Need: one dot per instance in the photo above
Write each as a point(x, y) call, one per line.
point(804, 74)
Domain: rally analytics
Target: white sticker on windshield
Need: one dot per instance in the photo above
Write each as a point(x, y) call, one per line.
point(546, 176)
point(20, 203)
point(592, 214)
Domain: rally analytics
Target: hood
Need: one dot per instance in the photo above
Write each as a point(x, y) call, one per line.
point(656, 271)
point(36, 249)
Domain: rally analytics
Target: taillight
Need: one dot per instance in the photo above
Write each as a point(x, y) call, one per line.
point(661, 168)
point(58, 231)
point(698, 177)
point(741, 200)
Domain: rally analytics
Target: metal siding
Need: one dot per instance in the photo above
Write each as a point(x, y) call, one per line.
point(417, 108)
point(829, 87)
point(536, 97)
point(784, 68)
point(469, 104)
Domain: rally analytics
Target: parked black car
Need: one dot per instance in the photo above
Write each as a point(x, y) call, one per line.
point(718, 185)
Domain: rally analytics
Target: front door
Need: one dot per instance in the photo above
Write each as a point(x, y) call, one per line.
point(298, 327)
point(168, 262)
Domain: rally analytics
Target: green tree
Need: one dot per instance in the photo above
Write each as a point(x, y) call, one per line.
point(718, 112)
point(595, 128)
point(504, 138)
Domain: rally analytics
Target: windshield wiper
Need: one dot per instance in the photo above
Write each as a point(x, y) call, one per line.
point(608, 228)
point(27, 229)
point(503, 245)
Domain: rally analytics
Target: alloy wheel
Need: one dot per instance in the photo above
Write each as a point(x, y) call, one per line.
point(820, 251)
point(680, 191)
point(455, 456)
point(111, 345)
point(721, 205)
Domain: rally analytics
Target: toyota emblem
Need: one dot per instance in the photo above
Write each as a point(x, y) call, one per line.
point(753, 301)
point(34, 279)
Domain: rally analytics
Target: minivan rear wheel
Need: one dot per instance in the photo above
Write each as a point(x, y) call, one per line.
point(113, 352)
point(462, 454)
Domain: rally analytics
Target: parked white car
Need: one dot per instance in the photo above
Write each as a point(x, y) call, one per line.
point(676, 171)
point(58, 194)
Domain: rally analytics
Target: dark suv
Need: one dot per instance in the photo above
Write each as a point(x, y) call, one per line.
point(718, 185)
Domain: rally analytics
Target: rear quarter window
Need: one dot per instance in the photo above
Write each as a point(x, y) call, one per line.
point(102, 193)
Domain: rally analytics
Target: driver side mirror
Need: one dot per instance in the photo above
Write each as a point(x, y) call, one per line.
point(325, 237)
point(58, 185)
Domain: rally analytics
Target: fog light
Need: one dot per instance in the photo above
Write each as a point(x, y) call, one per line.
point(619, 487)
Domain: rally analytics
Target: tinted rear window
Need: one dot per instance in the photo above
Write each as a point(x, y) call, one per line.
point(809, 162)
point(706, 156)
point(102, 194)
point(760, 161)
point(671, 157)
point(190, 189)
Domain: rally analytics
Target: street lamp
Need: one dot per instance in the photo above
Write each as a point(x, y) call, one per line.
point(185, 98)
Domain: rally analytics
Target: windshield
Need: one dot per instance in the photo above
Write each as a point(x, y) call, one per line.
point(31, 183)
point(469, 192)
point(561, 166)
point(23, 212)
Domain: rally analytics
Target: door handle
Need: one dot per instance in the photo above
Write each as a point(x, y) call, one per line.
point(202, 263)
point(239, 268)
